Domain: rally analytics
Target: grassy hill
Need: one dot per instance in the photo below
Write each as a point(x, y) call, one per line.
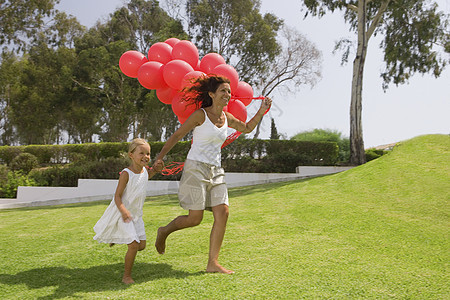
point(378, 231)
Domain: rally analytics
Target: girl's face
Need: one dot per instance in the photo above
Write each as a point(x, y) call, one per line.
point(141, 155)
point(222, 95)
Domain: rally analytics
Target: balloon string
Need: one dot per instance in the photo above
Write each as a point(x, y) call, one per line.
point(172, 168)
point(176, 167)
point(255, 98)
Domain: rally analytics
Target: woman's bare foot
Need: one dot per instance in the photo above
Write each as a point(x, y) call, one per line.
point(127, 280)
point(160, 243)
point(216, 268)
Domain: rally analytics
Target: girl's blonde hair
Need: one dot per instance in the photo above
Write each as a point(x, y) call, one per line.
point(135, 143)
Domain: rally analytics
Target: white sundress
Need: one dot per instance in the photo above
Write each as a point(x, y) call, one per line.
point(111, 228)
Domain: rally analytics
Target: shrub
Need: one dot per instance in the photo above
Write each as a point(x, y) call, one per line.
point(24, 162)
point(327, 135)
point(3, 174)
point(63, 165)
point(68, 175)
point(14, 179)
point(43, 153)
point(8, 153)
point(244, 164)
point(372, 154)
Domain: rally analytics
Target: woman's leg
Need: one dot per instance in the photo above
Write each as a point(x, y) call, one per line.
point(194, 218)
point(133, 248)
point(220, 213)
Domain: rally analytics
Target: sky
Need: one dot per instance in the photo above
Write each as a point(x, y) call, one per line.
point(419, 107)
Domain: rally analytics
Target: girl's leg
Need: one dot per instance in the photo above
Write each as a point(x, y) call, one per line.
point(194, 218)
point(220, 213)
point(133, 248)
point(142, 245)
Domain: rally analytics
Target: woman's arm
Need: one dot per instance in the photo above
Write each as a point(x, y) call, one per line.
point(195, 119)
point(243, 127)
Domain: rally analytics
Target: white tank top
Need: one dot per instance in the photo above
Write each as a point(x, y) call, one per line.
point(207, 142)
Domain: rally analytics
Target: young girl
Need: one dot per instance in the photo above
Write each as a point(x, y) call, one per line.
point(122, 221)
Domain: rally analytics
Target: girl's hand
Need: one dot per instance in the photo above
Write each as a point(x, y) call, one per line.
point(126, 216)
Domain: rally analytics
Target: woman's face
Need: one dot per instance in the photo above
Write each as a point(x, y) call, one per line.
point(222, 95)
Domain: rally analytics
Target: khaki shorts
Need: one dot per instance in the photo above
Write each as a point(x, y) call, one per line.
point(202, 186)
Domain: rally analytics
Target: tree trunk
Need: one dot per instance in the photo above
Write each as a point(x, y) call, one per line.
point(357, 153)
point(258, 130)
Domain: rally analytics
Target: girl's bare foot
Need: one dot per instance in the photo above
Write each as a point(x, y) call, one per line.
point(160, 243)
point(216, 268)
point(127, 280)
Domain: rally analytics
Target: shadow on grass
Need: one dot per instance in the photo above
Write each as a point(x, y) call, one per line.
point(160, 200)
point(253, 189)
point(95, 279)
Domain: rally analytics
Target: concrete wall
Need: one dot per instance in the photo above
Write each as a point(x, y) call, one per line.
point(103, 189)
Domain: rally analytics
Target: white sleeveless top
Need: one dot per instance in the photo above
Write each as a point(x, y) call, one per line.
point(207, 142)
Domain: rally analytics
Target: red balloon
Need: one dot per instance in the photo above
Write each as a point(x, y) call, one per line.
point(187, 79)
point(238, 110)
point(244, 91)
point(228, 72)
point(150, 75)
point(130, 62)
point(161, 52)
point(165, 95)
point(186, 50)
point(197, 68)
point(174, 72)
point(181, 119)
point(172, 41)
point(210, 61)
point(182, 108)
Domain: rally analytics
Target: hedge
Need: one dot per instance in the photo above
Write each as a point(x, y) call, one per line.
point(277, 156)
point(62, 165)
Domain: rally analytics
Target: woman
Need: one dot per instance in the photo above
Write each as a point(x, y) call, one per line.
point(202, 185)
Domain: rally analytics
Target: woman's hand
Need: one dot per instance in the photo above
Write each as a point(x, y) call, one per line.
point(158, 165)
point(266, 104)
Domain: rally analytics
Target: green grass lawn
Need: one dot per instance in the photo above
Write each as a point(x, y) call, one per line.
point(378, 231)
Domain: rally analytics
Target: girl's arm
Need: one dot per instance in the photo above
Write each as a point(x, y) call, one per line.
point(195, 119)
point(156, 168)
point(243, 127)
point(123, 180)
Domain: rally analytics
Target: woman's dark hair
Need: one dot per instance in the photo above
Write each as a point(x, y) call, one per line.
point(198, 92)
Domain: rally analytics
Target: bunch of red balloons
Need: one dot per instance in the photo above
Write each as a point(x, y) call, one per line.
point(171, 65)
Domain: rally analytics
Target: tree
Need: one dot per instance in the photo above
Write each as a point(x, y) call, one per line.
point(251, 43)
point(236, 30)
point(22, 19)
point(40, 99)
point(273, 131)
point(39, 93)
point(141, 24)
point(298, 64)
point(127, 107)
point(412, 30)
point(9, 76)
